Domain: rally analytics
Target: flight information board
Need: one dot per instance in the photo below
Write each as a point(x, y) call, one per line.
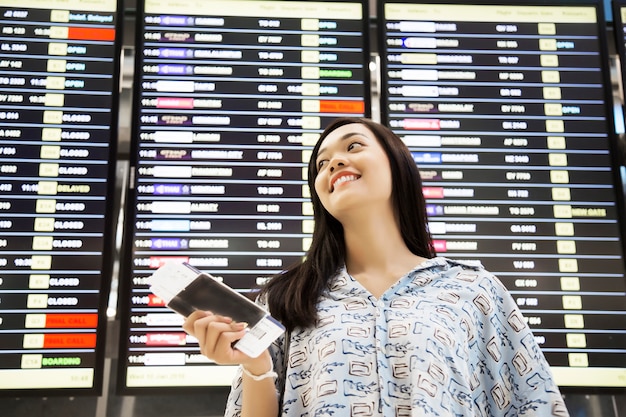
point(58, 106)
point(230, 98)
point(505, 109)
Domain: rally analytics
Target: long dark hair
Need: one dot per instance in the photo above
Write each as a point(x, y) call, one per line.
point(293, 295)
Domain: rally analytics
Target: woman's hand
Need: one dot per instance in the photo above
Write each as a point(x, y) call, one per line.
point(216, 336)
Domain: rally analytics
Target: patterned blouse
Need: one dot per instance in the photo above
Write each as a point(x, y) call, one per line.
point(446, 339)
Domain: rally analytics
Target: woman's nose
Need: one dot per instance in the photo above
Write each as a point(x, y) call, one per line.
point(335, 164)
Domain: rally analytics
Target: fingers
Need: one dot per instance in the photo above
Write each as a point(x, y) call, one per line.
point(216, 335)
point(190, 320)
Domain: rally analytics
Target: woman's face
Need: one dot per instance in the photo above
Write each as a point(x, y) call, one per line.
point(353, 171)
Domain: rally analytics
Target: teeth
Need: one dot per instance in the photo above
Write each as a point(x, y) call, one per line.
point(345, 178)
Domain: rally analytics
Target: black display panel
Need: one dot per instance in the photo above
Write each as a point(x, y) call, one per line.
point(506, 109)
point(58, 111)
point(230, 98)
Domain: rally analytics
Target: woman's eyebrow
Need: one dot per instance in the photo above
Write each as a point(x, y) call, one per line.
point(341, 139)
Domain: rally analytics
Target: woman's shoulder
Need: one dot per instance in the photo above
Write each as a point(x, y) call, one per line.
point(468, 264)
point(442, 267)
point(468, 273)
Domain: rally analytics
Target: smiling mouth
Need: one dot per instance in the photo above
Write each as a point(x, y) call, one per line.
point(343, 179)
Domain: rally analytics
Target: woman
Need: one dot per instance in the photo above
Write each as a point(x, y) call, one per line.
point(377, 324)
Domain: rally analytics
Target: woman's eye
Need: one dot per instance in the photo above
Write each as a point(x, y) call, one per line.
point(321, 163)
point(354, 145)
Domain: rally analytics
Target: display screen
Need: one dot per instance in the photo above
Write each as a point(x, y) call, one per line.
point(58, 106)
point(230, 98)
point(505, 108)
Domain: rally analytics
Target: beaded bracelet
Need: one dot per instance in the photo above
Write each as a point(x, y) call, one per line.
point(268, 374)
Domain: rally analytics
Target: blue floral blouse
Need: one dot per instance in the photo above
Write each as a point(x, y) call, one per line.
point(446, 339)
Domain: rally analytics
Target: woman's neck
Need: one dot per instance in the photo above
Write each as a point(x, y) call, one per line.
point(376, 251)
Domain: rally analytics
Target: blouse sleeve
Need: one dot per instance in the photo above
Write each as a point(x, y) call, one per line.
point(519, 377)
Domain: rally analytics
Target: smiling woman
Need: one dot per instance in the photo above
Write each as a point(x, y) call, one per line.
point(377, 323)
point(353, 172)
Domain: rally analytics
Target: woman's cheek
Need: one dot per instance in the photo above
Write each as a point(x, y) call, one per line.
point(318, 185)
